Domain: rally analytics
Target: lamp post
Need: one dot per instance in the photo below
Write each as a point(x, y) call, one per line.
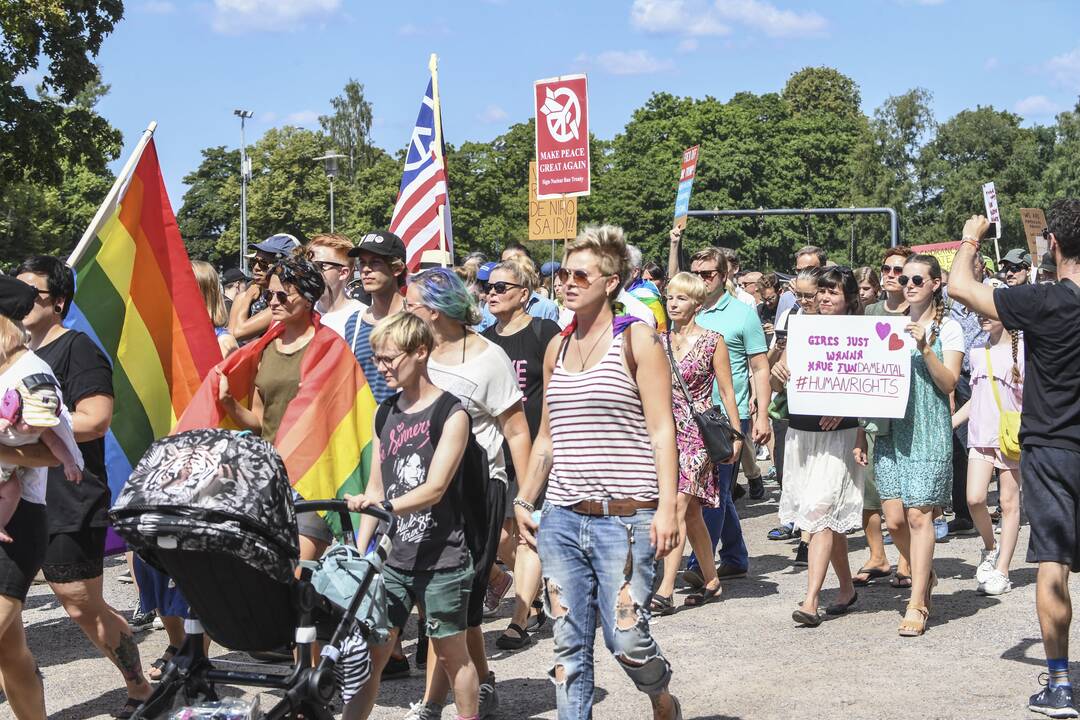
point(330, 165)
point(245, 176)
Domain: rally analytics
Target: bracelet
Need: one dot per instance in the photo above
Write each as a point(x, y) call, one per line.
point(525, 504)
point(970, 241)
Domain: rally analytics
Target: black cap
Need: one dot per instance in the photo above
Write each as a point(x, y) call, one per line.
point(233, 275)
point(16, 298)
point(380, 242)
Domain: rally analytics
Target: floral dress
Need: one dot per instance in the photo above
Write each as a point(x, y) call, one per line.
point(696, 475)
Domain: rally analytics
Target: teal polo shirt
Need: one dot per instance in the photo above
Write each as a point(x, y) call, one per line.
point(741, 328)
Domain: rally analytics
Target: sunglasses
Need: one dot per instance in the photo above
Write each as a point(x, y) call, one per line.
point(1010, 268)
point(806, 296)
point(580, 277)
point(892, 269)
point(325, 265)
point(499, 287)
point(916, 280)
point(280, 295)
point(706, 274)
point(261, 263)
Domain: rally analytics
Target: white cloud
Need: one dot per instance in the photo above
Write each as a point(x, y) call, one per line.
point(303, 117)
point(1066, 68)
point(771, 20)
point(492, 114)
point(625, 62)
point(683, 17)
point(239, 16)
point(1036, 106)
point(158, 7)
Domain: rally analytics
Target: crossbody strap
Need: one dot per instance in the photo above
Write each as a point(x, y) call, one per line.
point(993, 381)
point(678, 373)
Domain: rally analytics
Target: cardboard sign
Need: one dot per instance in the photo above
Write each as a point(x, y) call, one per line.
point(687, 173)
point(550, 219)
point(944, 252)
point(992, 212)
point(562, 136)
point(1034, 221)
point(848, 366)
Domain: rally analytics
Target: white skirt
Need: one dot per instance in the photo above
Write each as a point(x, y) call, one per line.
point(823, 485)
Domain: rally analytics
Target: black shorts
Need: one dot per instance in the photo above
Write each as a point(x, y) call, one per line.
point(20, 560)
point(496, 502)
point(75, 556)
point(1052, 503)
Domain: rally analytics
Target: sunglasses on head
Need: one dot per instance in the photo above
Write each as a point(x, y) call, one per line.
point(581, 278)
point(892, 269)
point(916, 280)
point(499, 287)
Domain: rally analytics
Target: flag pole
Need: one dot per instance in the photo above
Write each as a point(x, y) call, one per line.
point(437, 143)
point(110, 200)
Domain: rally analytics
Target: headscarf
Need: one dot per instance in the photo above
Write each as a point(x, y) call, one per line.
point(302, 274)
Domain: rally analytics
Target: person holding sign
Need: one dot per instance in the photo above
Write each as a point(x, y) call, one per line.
point(823, 486)
point(913, 463)
point(1050, 425)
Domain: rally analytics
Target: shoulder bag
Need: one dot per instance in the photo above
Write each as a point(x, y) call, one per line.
point(1008, 420)
point(716, 431)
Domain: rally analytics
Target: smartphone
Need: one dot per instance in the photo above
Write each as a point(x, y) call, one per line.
point(781, 335)
point(992, 232)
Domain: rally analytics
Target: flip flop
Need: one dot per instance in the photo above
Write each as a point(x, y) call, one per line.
point(804, 618)
point(901, 581)
point(841, 608)
point(871, 575)
point(127, 709)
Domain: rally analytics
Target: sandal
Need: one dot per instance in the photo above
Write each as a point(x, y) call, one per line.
point(157, 668)
point(535, 622)
point(509, 642)
point(705, 595)
point(841, 608)
point(804, 618)
point(914, 622)
point(871, 575)
point(900, 581)
point(661, 605)
point(127, 709)
point(783, 532)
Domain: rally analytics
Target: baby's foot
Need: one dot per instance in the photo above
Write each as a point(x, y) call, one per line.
point(4, 537)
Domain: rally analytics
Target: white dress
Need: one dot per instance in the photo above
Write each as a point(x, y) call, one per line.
point(823, 485)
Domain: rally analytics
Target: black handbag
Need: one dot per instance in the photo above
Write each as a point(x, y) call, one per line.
point(716, 431)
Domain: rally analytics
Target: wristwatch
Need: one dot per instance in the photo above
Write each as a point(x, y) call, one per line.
point(387, 506)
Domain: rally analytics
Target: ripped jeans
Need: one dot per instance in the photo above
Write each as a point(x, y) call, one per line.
point(605, 564)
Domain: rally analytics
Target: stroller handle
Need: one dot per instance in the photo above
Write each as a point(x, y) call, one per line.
point(342, 509)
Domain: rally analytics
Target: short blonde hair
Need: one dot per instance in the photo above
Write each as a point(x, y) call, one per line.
point(690, 285)
point(210, 285)
point(523, 269)
point(12, 337)
point(337, 242)
point(405, 330)
point(608, 244)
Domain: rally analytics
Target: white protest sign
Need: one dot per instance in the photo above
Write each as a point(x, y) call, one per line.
point(992, 212)
point(848, 366)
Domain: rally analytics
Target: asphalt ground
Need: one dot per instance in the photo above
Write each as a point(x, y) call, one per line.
point(741, 657)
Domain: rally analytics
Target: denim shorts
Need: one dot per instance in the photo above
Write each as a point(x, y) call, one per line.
point(443, 597)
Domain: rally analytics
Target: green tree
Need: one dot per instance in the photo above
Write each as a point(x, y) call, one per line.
point(1061, 176)
point(206, 211)
point(349, 127)
point(40, 134)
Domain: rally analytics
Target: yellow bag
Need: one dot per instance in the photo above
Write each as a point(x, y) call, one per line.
point(1008, 421)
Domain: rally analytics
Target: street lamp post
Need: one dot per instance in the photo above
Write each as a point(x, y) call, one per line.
point(330, 164)
point(245, 176)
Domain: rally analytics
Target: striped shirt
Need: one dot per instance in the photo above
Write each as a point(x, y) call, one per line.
point(601, 447)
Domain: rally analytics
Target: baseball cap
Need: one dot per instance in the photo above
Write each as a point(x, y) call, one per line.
point(484, 271)
point(280, 244)
point(1016, 256)
point(1048, 264)
point(549, 268)
point(233, 275)
point(380, 242)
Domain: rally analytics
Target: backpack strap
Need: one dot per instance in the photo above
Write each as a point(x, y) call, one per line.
point(383, 412)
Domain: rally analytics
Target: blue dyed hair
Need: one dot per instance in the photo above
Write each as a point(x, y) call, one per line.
point(443, 291)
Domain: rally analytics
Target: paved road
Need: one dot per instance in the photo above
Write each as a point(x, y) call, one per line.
point(739, 658)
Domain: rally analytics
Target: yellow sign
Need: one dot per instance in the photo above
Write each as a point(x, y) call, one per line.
point(550, 219)
point(1034, 223)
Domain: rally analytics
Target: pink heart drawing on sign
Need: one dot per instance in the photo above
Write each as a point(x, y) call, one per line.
point(882, 330)
point(895, 343)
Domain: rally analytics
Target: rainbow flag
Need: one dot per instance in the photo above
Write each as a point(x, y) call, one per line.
point(647, 293)
point(325, 435)
point(136, 297)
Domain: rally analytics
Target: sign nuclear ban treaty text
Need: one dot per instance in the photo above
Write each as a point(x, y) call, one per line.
point(562, 136)
point(848, 366)
point(687, 173)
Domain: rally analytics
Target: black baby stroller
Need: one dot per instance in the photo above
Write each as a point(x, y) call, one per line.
point(213, 510)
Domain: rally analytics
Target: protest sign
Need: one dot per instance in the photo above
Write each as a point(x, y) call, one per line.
point(1034, 221)
point(687, 173)
point(944, 252)
point(562, 136)
point(550, 219)
point(992, 212)
point(848, 366)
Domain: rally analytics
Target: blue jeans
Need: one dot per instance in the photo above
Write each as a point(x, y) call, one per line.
point(603, 564)
point(723, 521)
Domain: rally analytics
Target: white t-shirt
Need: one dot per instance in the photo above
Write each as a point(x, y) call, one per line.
point(952, 336)
point(636, 308)
point(336, 319)
point(745, 297)
point(34, 479)
point(487, 386)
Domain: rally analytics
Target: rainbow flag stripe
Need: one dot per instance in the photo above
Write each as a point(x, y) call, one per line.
point(325, 435)
point(651, 298)
point(137, 298)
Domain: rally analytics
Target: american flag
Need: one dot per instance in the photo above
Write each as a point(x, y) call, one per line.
point(423, 191)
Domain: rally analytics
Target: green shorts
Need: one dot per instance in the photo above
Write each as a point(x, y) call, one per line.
point(442, 595)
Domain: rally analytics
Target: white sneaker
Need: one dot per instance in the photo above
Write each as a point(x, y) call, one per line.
point(997, 584)
point(987, 560)
point(763, 453)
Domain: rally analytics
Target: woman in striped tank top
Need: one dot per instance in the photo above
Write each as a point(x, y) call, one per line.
point(607, 439)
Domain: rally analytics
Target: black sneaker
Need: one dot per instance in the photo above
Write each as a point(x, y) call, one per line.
point(421, 651)
point(1056, 702)
point(737, 492)
point(141, 620)
point(396, 667)
point(802, 555)
point(962, 526)
point(757, 487)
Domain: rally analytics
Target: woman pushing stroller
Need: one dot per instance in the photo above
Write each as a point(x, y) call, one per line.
point(420, 440)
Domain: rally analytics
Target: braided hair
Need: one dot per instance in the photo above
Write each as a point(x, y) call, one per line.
point(934, 271)
point(1015, 335)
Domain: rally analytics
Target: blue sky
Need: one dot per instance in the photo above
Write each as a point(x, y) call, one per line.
point(188, 64)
